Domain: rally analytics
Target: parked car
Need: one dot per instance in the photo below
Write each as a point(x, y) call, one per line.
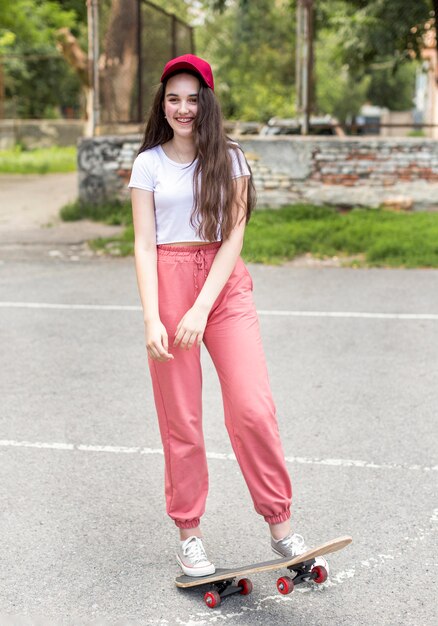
point(318, 125)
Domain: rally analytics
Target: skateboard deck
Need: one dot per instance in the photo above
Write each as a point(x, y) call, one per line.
point(302, 567)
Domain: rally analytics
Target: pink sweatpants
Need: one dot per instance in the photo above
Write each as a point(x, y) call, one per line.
point(232, 338)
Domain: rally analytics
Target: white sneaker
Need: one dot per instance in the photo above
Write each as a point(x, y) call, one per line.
point(292, 546)
point(192, 558)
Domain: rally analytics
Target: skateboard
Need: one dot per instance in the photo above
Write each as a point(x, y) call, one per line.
point(302, 567)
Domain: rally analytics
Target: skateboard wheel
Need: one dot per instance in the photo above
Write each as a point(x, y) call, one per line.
point(212, 599)
point(321, 574)
point(285, 585)
point(246, 586)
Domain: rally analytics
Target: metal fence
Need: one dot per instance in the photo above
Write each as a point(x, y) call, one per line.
point(135, 44)
point(135, 39)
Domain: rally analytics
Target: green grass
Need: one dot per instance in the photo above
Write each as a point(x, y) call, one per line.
point(377, 237)
point(109, 213)
point(38, 161)
point(364, 237)
point(119, 246)
point(114, 213)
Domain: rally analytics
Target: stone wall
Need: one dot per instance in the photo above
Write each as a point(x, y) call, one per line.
point(402, 173)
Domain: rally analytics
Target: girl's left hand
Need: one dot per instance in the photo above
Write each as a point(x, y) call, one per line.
point(190, 329)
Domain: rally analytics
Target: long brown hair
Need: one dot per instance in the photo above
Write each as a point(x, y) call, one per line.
point(215, 198)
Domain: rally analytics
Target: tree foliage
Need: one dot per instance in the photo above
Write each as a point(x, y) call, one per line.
point(369, 51)
point(365, 50)
point(37, 80)
point(338, 93)
point(251, 47)
point(369, 30)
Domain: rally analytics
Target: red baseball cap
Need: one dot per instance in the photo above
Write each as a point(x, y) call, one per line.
point(190, 62)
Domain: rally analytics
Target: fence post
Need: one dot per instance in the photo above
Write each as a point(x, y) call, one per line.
point(140, 64)
point(93, 69)
point(304, 61)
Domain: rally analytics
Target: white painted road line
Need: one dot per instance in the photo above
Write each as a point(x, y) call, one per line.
point(355, 314)
point(121, 307)
point(222, 456)
point(80, 307)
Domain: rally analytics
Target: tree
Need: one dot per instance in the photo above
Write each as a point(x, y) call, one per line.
point(37, 80)
point(43, 50)
point(342, 87)
point(371, 30)
point(251, 48)
point(364, 49)
point(393, 88)
point(374, 44)
point(338, 93)
point(118, 61)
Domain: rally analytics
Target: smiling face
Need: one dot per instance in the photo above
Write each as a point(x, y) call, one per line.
point(181, 103)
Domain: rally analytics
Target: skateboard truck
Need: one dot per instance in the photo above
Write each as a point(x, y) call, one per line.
point(304, 572)
point(224, 588)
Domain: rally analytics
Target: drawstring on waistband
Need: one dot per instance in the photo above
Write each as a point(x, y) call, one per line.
point(200, 263)
point(200, 257)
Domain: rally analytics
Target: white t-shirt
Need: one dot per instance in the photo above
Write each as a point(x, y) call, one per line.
point(172, 184)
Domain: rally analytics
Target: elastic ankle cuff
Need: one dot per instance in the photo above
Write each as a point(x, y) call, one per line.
point(278, 519)
point(188, 523)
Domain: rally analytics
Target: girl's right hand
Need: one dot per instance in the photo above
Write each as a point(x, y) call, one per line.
point(157, 342)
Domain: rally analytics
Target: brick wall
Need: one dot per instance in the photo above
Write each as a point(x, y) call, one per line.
point(377, 163)
point(342, 171)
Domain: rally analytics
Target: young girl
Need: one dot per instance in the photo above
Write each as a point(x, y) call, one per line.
point(192, 195)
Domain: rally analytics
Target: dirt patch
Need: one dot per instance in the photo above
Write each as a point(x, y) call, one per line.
point(29, 217)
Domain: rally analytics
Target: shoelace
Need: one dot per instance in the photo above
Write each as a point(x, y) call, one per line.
point(296, 542)
point(195, 551)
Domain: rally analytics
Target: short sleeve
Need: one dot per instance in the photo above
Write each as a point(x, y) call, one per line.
point(142, 174)
point(239, 164)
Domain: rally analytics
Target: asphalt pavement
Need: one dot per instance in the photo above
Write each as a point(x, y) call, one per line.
point(352, 359)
